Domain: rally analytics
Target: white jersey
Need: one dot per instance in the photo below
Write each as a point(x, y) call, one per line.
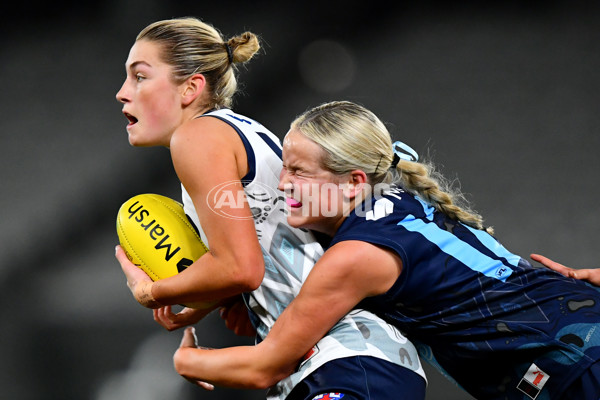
point(289, 255)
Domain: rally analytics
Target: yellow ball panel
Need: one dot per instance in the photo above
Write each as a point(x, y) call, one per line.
point(157, 235)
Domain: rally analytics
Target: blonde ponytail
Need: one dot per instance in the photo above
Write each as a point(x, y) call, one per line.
point(243, 47)
point(422, 179)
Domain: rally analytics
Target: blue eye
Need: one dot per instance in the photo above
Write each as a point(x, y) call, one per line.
point(139, 78)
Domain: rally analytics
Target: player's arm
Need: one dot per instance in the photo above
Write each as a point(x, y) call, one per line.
point(590, 275)
point(347, 273)
point(207, 153)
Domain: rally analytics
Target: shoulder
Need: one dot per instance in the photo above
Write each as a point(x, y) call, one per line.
point(207, 144)
point(382, 212)
point(204, 127)
point(377, 216)
point(379, 221)
point(208, 134)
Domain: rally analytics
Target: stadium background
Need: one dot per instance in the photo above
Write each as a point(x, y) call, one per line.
point(505, 98)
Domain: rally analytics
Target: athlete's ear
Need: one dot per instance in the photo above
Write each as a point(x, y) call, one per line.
point(357, 179)
point(192, 88)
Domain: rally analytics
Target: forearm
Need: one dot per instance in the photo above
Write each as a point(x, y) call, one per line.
point(248, 367)
point(209, 279)
point(301, 325)
point(260, 366)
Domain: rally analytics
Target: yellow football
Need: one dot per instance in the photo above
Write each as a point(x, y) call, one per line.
point(158, 237)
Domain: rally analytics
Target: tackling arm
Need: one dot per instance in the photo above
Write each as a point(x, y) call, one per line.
point(347, 273)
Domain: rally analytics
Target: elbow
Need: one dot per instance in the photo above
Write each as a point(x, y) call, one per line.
point(266, 379)
point(263, 368)
point(263, 383)
point(249, 273)
point(269, 374)
point(257, 275)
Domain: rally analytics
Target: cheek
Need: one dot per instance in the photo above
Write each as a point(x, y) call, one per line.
point(158, 101)
point(331, 198)
point(309, 192)
point(316, 197)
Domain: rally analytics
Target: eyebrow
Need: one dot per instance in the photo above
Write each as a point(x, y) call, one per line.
point(298, 165)
point(136, 63)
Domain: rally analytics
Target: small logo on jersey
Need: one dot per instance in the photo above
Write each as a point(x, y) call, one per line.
point(382, 208)
point(533, 381)
point(328, 396)
point(500, 272)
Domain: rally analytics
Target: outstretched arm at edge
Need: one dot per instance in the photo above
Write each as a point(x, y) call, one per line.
point(590, 275)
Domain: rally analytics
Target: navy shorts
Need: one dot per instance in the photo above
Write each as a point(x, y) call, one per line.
point(360, 378)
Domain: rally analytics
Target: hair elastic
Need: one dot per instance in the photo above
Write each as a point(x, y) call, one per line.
point(378, 162)
point(403, 151)
point(229, 53)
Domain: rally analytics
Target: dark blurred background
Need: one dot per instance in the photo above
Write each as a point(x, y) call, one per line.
point(504, 98)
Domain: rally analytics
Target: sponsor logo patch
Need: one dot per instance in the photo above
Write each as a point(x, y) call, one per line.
point(533, 381)
point(328, 396)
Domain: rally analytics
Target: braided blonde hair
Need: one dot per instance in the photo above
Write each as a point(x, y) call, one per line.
point(352, 137)
point(191, 46)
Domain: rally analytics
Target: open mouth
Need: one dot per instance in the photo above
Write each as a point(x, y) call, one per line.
point(132, 120)
point(292, 203)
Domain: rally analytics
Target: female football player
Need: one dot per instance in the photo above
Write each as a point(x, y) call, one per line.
point(177, 94)
point(404, 247)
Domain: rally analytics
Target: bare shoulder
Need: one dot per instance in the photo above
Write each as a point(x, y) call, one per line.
point(207, 130)
point(208, 144)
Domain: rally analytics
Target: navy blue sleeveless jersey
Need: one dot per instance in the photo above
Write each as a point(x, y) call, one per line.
point(485, 317)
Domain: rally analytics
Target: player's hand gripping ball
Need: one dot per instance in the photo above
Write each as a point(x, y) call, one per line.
point(158, 237)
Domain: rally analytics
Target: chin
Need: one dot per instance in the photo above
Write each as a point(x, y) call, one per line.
point(294, 222)
point(299, 221)
point(137, 144)
point(304, 223)
point(136, 141)
point(133, 140)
